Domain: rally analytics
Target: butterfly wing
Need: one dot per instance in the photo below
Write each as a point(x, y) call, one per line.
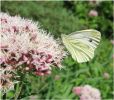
point(82, 44)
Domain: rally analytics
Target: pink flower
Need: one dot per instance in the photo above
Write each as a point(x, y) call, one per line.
point(2, 60)
point(113, 56)
point(87, 93)
point(27, 47)
point(77, 90)
point(112, 41)
point(24, 43)
point(93, 13)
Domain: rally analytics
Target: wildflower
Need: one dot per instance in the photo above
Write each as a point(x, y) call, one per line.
point(26, 44)
point(87, 93)
point(77, 90)
point(26, 47)
point(113, 56)
point(112, 41)
point(5, 86)
point(93, 13)
point(6, 82)
point(2, 58)
point(106, 75)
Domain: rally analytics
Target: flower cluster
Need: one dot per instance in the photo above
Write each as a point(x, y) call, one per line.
point(6, 82)
point(93, 13)
point(87, 93)
point(26, 47)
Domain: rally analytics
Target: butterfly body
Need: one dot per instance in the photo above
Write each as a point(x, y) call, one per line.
point(82, 44)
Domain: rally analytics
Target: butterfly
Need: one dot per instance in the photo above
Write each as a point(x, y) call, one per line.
point(82, 44)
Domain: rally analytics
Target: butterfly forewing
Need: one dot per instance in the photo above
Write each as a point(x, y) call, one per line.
point(81, 44)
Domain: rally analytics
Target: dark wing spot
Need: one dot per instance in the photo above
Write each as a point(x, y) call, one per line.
point(90, 40)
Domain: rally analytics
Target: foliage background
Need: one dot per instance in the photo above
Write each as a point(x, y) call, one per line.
point(65, 17)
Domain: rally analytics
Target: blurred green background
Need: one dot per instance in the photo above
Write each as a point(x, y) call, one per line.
point(65, 17)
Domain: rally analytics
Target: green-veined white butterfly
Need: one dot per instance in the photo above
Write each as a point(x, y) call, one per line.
point(82, 44)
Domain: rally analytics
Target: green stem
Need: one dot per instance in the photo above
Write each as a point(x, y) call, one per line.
point(18, 90)
point(3, 96)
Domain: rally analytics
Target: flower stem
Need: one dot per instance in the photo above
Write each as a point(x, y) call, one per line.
point(18, 90)
point(4, 96)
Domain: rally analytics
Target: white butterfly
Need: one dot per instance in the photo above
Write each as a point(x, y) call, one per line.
point(82, 44)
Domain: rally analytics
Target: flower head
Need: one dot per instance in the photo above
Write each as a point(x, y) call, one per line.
point(23, 41)
point(112, 41)
point(106, 75)
point(87, 93)
point(6, 82)
point(93, 13)
point(26, 47)
point(77, 90)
